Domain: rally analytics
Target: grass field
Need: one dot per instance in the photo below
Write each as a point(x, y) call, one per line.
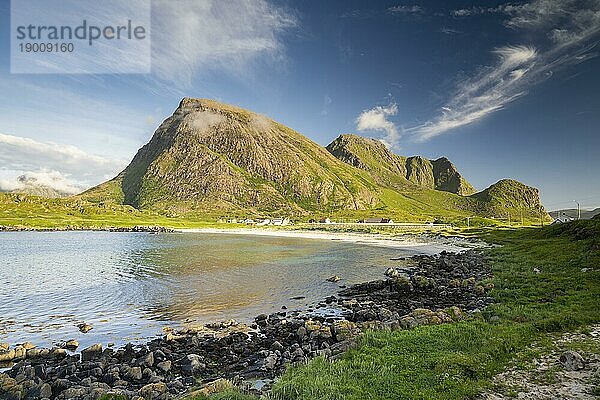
point(456, 361)
point(78, 213)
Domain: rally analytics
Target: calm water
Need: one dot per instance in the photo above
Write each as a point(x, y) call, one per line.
point(130, 285)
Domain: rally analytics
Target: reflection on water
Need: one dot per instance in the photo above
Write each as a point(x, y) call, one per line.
point(129, 285)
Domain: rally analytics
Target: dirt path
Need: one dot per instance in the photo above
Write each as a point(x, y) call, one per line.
point(570, 370)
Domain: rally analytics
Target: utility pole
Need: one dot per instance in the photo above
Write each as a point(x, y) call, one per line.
point(578, 210)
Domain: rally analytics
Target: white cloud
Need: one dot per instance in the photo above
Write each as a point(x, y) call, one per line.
point(376, 119)
point(20, 156)
point(406, 9)
point(55, 112)
point(570, 28)
point(202, 121)
point(191, 36)
point(326, 103)
point(40, 178)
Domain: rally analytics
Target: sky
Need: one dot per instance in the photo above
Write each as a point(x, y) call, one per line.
point(503, 89)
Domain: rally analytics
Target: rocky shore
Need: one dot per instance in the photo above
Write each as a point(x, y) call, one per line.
point(433, 290)
point(150, 229)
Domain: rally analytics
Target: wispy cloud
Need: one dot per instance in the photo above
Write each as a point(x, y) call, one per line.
point(326, 103)
point(77, 168)
point(59, 113)
point(406, 10)
point(190, 37)
point(376, 119)
point(571, 32)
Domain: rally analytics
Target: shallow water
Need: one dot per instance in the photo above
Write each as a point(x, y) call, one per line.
point(130, 285)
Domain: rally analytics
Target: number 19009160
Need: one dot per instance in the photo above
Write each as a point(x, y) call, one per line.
point(46, 47)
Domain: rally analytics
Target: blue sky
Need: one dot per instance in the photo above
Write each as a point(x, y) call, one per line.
point(502, 89)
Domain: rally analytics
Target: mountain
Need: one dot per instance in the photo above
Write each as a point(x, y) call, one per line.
point(214, 156)
point(572, 213)
point(31, 185)
point(210, 159)
point(389, 169)
point(509, 196)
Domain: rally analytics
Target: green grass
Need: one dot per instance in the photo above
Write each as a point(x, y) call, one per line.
point(457, 361)
point(42, 213)
point(87, 211)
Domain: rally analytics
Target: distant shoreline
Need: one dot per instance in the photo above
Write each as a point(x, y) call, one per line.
point(425, 244)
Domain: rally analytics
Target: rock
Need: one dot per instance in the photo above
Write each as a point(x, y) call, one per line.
point(572, 361)
point(149, 359)
point(28, 346)
point(4, 347)
point(72, 345)
point(164, 366)
point(494, 318)
point(402, 283)
point(344, 330)
point(334, 278)
point(45, 391)
point(84, 328)
point(89, 353)
point(134, 374)
point(301, 332)
point(391, 272)
point(20, 353)
point(58, 353)
point(270, 362)
point(479, 290)
point(277, 346)
point(192, 364)
point(152, 391)
point(33, 353)
point(455, 313)
point(213, 387)
point(7, 355)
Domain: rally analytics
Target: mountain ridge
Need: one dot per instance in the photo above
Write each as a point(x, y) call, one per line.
point(439, 174)
point(215, 158)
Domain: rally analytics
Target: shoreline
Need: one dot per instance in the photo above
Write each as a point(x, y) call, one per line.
point(435, 244)
point(443, 288)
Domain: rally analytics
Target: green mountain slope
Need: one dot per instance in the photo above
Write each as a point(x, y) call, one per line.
point(213, 156)
point(211, 159)
point(389, 169)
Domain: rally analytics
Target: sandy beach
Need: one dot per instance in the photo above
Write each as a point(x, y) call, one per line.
point(421, 244)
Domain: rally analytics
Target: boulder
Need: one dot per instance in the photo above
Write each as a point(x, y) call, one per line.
point(153, 391)
point(7, 355)
point(572, 361)
point(134, 374)
point(334, 278)
point(164, 366)
point(84, 328)
point(192, 364)
point(344, 330)
point(213, 387)
point(72, 345)
point(89, 353)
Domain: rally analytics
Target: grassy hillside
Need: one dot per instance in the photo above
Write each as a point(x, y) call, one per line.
point(211, 160)
point(29, 211)
point(225, 158)
point(398, 172)
point(456, 361)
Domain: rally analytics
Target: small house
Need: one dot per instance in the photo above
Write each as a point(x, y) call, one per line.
point(378, 221)
point(561, 219)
